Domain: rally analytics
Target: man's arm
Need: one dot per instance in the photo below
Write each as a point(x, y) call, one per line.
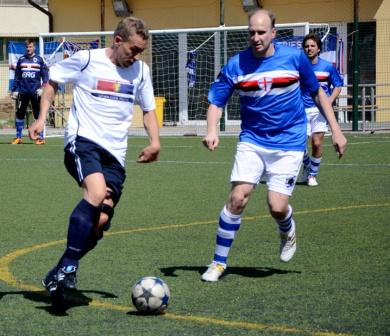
point(48, 95)
point(44, 77)
point(335, 93)
point(336, 82)
point(211, 140)
point(324, 105)
point(44, 73)
point(17, 77)
point(151, 152)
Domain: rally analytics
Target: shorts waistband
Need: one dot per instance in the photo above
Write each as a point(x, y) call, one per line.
point(311, 109)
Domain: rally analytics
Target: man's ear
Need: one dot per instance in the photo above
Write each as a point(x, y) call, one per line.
point(117, 39)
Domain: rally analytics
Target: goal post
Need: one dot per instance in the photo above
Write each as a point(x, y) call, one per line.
point(183, 63)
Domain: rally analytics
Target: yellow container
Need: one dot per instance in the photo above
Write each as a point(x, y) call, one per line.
point(160, 101)
point(138, 120)
point(60, 118)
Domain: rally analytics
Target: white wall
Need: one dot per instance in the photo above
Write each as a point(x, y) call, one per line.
point(22, 21)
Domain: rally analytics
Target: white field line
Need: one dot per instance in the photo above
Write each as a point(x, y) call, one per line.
point(179, 162)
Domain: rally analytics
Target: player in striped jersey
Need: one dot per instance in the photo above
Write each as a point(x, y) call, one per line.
point(268, 79)
point(31, 74)
point(331, 83)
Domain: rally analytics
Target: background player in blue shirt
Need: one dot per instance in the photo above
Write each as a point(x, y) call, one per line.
point(268, 79)
point(331, 83)
point(31, 74)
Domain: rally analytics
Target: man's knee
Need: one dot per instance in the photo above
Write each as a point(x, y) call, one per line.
point(278, 210)
point(278, 205)
point(238, 199)
point(20, 114)
point(317, 140)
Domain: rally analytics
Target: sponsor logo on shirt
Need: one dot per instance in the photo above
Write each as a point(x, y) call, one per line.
point(114, 86)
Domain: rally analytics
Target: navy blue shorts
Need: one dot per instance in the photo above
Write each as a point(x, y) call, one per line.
point(84, 157)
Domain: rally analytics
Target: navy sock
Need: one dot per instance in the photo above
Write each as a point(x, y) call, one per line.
point(80, 224)
point(91, 243)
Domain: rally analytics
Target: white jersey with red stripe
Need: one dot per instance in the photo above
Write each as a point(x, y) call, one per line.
point(103, 98)
point(328, 77)
point(272, 111)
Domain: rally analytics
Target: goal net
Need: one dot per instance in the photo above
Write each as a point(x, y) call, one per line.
point(183, 64)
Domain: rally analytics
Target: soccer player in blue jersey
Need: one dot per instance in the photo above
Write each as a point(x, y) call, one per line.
point(331, 83)
point(31, 74)
point(107, 82)
point(268, 79)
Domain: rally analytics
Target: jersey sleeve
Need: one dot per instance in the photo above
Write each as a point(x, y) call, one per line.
point(335, 78)
point(68, 70)
point(221, 90)
point(145, 94)
point(308, 79)
point(18, 75)
point(44, 72)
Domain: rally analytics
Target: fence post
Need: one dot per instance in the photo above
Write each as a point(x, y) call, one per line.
point(222, 125)
point(373, 103)
point(364, 108)
point(355, 67)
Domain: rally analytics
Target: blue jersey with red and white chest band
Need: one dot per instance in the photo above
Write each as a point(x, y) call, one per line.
point(30, 74)
point(327, 76)
point(272, 111)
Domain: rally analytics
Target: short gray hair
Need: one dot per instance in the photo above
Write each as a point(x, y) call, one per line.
point(131, 26)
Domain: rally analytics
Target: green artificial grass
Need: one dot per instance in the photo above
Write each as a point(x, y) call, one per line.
point(165, 226)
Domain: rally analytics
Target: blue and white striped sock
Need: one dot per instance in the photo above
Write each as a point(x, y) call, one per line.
point(286, 225)
point(306, 159)
point(228, 226)
point(314, 165)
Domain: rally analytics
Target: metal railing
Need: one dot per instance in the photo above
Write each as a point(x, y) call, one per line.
point(371, 104)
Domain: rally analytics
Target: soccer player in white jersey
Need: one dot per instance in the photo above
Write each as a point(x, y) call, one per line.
point(331, 82)
point(107, 82)
point(268, 80)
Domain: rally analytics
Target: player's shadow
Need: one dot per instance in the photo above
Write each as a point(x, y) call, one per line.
point(298, 183)
point(73, 298)
point(251, 272)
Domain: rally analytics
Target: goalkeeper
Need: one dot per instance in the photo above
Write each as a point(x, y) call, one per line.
point(31, 74)
point(268, 79)
point(107, 82)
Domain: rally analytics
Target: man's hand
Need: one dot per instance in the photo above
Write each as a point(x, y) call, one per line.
point(36, 128)
point(339, 143)
point(149, 154)
point(211, 141)
point(14, 95)
point(39, 92)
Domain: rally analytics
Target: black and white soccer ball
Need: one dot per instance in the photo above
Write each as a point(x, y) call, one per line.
point(150, 295)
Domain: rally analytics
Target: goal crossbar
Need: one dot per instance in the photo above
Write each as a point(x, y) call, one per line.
point(183, 62)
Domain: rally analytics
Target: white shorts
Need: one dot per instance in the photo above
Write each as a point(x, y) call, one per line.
point(316, 122)
point(280, 168)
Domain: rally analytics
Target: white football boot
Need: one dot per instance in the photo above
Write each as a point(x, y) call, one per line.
point(288, 246)
point(312, 181)
point(213, 273)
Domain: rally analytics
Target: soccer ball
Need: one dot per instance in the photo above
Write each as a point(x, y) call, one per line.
point(150, 295)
